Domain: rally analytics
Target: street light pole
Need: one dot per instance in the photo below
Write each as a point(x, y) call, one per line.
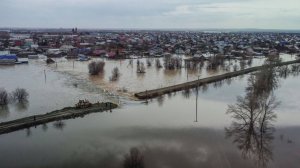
point(197, 101)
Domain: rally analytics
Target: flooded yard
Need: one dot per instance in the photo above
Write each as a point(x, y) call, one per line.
point(48, 90)
point(175, 130)
point(153, 78)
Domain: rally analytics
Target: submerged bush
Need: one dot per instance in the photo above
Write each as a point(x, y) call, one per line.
point(149, 62)
point(141, 68)
point(96, 67)
point(115, 74)
point(3, 96)
point(172, 63)
point(20, 95)
point(157, 63)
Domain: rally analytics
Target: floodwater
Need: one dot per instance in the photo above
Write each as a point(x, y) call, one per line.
point(164, 130)
point(48, 90)
point(154, 78)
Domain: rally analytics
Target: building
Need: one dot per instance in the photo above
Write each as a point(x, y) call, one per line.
point(8, 59)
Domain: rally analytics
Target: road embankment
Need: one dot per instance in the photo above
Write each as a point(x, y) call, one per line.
point(63, 114)
point(148, 94)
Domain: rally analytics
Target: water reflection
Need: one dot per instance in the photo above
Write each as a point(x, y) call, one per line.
point(22, 106)
point(28, 132)
point(45, 127)
point(160, 100)
point(186, 93)
point(204, 88)
point(4, 111)
point(60, 125)
point(177, 148)
point(228, 81)
point(218, 84)
point(252, 129)
point(134, 159)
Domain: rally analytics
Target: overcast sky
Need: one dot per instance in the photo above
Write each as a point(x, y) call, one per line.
point(267, 14)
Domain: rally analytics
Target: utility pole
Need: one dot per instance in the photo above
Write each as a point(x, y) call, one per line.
point(45, 75)
point(197, 101)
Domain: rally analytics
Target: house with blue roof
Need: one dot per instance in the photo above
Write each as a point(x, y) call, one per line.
point(8, 59)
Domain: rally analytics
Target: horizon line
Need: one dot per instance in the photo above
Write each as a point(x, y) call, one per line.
point(182, 29)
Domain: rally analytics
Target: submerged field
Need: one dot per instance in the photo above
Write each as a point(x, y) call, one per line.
point(163, 130)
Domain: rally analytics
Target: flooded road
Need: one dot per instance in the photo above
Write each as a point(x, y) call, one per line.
point(163, 131)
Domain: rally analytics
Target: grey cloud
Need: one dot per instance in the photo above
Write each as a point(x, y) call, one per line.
point(148, 14)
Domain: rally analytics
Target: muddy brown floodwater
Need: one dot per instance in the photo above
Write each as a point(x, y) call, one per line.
point(160, 133)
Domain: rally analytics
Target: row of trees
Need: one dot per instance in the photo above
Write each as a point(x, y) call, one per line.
point(20, 95)
point(213, 63)
point(171, 63)
point(97, 67)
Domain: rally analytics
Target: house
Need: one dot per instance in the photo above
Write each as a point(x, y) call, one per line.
point(207, 55)
point(54, 53)
point(99, 52)
point(111, 54)
point(82, 57)
point(66, 48)
point(8, 59)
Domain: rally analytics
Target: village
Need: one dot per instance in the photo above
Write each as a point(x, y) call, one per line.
point(149, 84)
point(83, 44)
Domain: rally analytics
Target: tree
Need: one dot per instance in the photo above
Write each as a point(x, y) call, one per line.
point(3, 97)
point(149, 63)
point(172, 62)
point(252, 128)
point(115, 74)
point(158, 63)
point(141, 68)
point(96, 67)
point(20, 94)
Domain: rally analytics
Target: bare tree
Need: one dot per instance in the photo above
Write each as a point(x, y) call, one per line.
point(3, 97)
point(252, 128)
point(263, 82)
point(141, 68)
point(243, 64)
point(20, 94)
point(249, 61)
point(158, 63)
point(130, 62)
point(115, 74)
point(215, 62)
point(235, 67)
point(267, 106)
point(149, 62)
point(172, 63)
point(96, 67)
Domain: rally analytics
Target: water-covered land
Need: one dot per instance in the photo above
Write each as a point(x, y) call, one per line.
point(247, 121)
